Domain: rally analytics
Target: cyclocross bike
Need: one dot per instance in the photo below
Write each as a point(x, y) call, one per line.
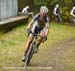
point(31, 50)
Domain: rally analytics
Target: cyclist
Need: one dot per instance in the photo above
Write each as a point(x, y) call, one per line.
point(72, 13)
point(40, 25)
point(56, 13)
point(26, 12)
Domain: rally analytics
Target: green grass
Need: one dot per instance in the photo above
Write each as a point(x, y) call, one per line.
point(12, 43)
point(60, 32)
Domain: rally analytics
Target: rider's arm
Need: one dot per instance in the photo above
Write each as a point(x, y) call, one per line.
point(33, 20)
point(30, 24)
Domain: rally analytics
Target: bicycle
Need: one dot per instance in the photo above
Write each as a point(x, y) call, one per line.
point(31, 50)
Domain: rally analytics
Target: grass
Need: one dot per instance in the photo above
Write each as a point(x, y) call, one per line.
point(12, 44)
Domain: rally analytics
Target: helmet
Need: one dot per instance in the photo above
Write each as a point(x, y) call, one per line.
point(57, 5)
point(44, 9)
point(74, 7)
point(27, 6)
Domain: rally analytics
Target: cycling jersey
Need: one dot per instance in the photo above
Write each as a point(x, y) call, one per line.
point(56, 11)
point(73, 12)
point(39, 24)
point(25, 10)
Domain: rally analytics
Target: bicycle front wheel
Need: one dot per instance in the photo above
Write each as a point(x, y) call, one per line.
point(29, 55)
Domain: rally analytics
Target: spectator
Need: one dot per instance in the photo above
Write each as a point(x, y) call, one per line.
point(26, 12)
point(72, 13)
point(56, 13)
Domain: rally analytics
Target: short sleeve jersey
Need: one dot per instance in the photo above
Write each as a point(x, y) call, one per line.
point(41, 22)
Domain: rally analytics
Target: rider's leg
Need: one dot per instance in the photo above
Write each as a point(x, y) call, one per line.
point(59, 19)
point(56, 18)
point(40, 38)
point(39, 41)
point(30, 39)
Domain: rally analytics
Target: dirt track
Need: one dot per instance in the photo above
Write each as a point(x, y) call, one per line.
point(61, 57)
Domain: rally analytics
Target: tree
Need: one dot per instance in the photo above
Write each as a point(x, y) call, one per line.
point(30, 3)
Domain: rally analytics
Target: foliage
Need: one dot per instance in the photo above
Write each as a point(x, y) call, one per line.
point(65, 6)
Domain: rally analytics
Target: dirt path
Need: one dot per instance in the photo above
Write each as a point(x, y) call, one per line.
point(61, 57)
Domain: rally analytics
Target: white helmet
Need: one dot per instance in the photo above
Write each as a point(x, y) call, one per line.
point(74, 7)
point(27, 7)
point(57, 5)
point(44, 9)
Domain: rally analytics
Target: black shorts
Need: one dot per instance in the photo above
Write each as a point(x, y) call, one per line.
point(37, 30)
